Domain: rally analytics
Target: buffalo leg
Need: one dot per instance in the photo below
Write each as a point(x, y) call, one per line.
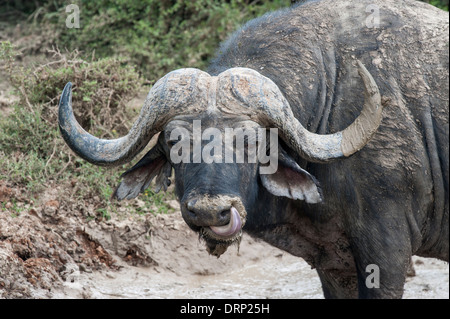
point(338, 284)
point(382, 256)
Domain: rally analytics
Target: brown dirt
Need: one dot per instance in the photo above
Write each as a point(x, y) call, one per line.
point(40, 243)
point(46, 244)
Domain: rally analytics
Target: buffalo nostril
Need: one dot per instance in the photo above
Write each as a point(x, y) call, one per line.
point(224, 216)
point(225, 213)
point(203, 212)
point(192, 213)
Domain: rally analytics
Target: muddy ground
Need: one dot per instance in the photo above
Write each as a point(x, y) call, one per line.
point(51, 249)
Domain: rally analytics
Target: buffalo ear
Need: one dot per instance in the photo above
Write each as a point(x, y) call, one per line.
point(291, 181)
point(138, 178)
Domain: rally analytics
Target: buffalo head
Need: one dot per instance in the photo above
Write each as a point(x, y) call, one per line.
point(209, 127)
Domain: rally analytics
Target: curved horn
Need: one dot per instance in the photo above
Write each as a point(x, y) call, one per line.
point(264, 103)
point(172, 95)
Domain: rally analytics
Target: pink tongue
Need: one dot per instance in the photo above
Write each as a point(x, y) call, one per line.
point(232, 228)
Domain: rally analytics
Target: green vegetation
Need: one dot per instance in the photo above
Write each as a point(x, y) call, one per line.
point(441, 4)
point(156, 35)
point(32, 152)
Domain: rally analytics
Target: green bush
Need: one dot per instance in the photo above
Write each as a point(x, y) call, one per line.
point(156, 35)
point(32, 151)
point(441, 4)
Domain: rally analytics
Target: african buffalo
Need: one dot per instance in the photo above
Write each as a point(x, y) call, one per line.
point(358, 91)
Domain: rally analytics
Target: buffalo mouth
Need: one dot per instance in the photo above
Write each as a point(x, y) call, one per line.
point(219, 238)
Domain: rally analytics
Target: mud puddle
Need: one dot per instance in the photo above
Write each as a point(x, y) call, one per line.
point(277, 277)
